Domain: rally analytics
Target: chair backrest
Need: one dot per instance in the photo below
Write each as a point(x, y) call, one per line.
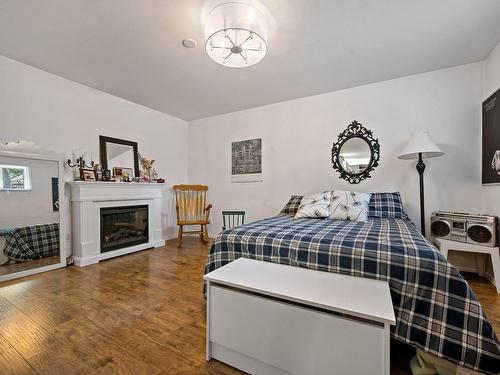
point(191, 202)
point(232, 219)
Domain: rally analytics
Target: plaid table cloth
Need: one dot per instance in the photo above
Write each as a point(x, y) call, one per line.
point(434, 306)
point(32, 242)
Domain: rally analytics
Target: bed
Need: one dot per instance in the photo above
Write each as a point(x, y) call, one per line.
point(436, 311)
point(30, 242)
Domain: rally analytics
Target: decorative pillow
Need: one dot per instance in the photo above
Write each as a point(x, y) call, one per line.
point(315, 205)
point(348, 205)
point(293, 205)
point(387, 205)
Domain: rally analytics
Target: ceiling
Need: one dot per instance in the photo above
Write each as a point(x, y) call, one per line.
point(132, 49)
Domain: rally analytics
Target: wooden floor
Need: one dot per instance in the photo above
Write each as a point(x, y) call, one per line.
point(11, 267)
point(138, 314)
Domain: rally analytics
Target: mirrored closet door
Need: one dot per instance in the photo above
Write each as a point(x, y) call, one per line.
point(30, 213)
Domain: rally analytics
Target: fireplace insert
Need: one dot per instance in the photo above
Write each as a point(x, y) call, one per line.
point(123, 227)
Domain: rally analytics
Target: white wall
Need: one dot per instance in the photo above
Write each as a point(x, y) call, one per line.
point(298, 136)
point(21, 208)
point(63, 116)
point(491, 83)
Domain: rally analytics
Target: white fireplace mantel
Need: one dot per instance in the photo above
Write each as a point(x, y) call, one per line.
point(87, 198)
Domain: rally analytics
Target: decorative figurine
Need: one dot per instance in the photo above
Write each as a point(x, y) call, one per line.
point(147, 166)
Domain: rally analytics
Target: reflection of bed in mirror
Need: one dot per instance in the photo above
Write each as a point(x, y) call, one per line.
point(28, 247)
point(30, 228)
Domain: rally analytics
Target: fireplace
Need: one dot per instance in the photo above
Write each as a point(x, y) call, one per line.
point(123, 226)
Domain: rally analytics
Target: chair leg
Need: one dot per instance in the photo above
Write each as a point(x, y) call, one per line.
point(201, 232)
point(206, 234)
point(179, 236)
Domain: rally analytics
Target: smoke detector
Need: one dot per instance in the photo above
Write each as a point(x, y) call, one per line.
point(189, 43)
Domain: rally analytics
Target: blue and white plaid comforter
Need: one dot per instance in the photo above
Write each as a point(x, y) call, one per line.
point(434, 306)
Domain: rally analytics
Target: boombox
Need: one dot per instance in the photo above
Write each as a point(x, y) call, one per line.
point(463, 227)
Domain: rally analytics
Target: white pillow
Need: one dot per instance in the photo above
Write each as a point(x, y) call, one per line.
point(315, 205)
point(348, 205)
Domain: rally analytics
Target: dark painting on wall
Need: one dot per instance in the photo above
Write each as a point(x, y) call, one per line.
point(55, 193)
point(491, 140)
point(246, 160)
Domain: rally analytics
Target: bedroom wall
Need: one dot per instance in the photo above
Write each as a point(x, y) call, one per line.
point(63, 115)
point(297, 139)
point(21, 208)
point(491, 83)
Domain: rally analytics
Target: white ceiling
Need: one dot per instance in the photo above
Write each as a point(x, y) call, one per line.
point(133, 48)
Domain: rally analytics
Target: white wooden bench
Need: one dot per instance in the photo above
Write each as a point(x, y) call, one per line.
point(267, 318)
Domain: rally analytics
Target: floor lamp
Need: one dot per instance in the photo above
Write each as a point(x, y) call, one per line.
point(421, 147)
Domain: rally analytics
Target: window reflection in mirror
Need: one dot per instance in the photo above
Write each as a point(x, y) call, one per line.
point(355, 155)
point(14, 177)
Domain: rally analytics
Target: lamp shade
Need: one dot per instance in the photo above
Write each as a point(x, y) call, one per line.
point(236, 34)
point(420, 143)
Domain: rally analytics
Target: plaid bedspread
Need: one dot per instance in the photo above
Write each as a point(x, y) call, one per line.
point(32, 242)
point(434, 306)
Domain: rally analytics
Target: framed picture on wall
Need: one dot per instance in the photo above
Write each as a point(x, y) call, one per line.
point(246, 160)
point(491, 140)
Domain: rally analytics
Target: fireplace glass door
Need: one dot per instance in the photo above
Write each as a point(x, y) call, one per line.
point(123, 227)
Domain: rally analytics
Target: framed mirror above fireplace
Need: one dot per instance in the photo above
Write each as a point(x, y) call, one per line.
point(119, 153)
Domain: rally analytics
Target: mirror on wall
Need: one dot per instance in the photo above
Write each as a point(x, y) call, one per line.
point(30, 214)
point(356, 153)
point(119, 154)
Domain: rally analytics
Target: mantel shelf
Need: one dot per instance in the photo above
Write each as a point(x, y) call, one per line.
point(104, 184)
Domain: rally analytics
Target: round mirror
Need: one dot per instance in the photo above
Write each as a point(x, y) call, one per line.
point(355, 155)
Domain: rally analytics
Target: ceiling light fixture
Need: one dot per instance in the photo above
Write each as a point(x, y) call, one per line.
point(236, 34)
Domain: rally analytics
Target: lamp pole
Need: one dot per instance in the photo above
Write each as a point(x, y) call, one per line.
point(420, 170)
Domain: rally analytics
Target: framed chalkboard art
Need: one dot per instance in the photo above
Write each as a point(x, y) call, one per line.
point(491, 140)
point(246, 160)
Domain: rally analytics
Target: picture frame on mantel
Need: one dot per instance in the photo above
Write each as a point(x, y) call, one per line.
point(246, 161)
point(490, 159)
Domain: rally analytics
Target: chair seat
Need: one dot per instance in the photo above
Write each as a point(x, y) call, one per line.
point(198, 222)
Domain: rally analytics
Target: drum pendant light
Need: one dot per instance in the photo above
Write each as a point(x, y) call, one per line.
point(236, 34)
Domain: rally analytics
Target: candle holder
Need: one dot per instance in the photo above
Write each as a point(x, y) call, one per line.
point(80, 163)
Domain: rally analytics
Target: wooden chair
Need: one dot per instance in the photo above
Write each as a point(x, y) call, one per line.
point(192, 210)
point(234, 219)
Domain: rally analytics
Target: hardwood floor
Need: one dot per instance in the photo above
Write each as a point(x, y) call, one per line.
point(138, 314)
point(7, 269)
